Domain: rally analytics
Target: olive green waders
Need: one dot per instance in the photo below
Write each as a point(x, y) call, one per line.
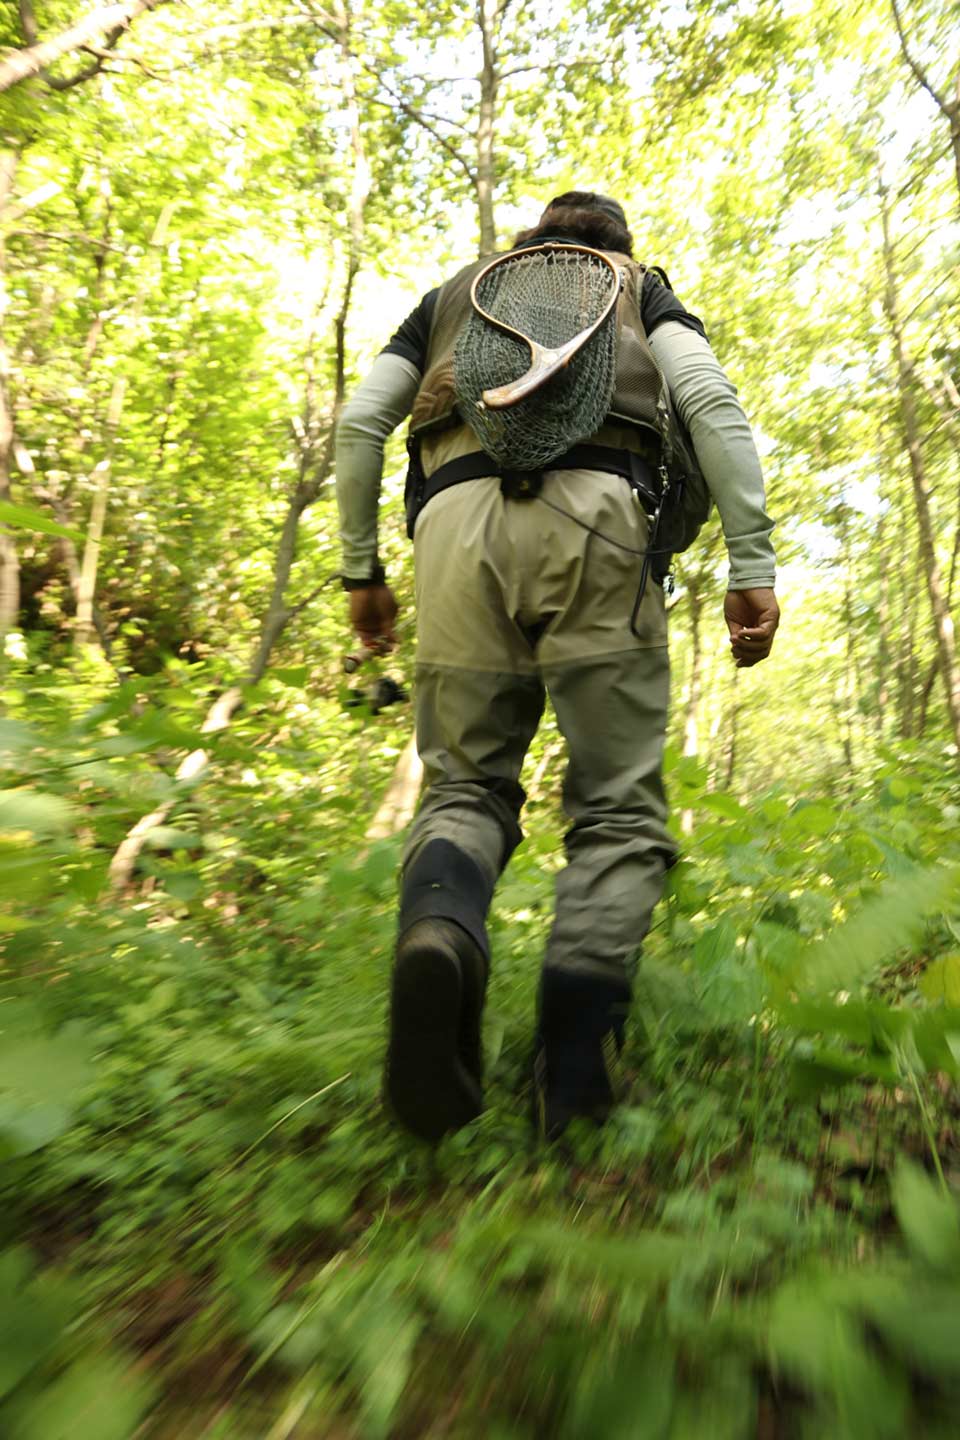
point(515, 601)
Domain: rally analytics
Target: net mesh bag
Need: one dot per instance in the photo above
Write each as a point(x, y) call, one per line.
point(550, 295)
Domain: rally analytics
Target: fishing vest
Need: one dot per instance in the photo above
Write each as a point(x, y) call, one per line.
point(638, 387)
point(641, 438)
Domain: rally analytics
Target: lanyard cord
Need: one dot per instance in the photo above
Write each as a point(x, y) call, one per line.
point(647, 555)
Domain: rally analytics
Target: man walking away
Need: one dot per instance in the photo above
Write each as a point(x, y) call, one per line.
point(528, 583)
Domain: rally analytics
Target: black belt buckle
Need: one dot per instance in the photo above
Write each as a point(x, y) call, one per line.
point(520, 484)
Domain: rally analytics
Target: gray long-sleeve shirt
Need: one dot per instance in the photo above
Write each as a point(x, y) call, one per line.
point(701, 391)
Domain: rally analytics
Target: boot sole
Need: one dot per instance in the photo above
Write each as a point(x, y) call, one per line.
point(428, 1087)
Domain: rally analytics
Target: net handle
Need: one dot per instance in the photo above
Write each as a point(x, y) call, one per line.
point(544, 362)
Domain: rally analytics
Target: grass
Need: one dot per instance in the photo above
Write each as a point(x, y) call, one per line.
point(210, 1228)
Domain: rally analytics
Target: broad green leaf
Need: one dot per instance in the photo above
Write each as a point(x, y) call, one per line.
point(27, 1125)
point(22, 517)
point(26, 876)
point(827, 1069)
point(855, 950)
point(14, 740)
point(32, 1320)
point(817, 819)
point(725, 805)
point(723, 1404)
point(380, 868)
point(921, 1323)
point(941, 980)
point(929, 1219)
point(38, 813)
point(293, 675)
point(869, 1023)
point(47, 1068)
point(627, 1396)
point(182, 884)
point(101, 1397)
point(11, 924)
point(824, 1351)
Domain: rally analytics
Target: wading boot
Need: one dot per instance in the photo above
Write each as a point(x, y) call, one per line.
point(577, 1050)
point(434, 1069)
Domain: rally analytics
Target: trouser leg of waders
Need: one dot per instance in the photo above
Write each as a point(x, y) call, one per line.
point(613, 713)
point(473, 731)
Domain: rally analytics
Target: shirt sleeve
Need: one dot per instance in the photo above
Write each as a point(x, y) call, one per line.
point(374, 411)
point(659, 304)
point(706, 400)
point(410, 341)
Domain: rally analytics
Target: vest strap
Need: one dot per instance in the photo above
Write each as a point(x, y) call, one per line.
point(478, 465)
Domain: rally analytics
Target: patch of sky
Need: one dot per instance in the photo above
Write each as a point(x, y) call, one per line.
point(811, 217)
point(673, 18)
point(864, 496)
point(818, 540)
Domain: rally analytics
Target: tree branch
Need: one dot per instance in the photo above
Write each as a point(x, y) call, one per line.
point(107, 23)
point(28, 22)
point(329, 27)
point(919, 74)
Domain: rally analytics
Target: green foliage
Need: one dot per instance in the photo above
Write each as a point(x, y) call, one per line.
point(190, 1117)
point(208, 1225)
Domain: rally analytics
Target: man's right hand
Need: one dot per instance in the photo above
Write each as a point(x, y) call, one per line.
point(752, 618)
point(373, 610)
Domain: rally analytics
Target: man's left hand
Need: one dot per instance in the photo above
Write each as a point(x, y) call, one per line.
point(752, 618)
point(373, 610)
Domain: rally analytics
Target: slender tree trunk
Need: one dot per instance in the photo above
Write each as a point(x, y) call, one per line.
point(487, 12)
point(106, 24)
point(907, 657)
point(9, 559)
point(943, 621)
point(691, 718)
point(732, 728)
point(315, 462)
point(87, 586)
point(883, 637)
point(400, 800)
point(852, 668)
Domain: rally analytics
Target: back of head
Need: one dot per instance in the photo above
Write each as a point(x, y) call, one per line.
point(585, 217)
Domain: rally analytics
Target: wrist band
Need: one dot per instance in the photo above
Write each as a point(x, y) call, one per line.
point(377, 576)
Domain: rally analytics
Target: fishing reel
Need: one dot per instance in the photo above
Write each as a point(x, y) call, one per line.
point(381, 691)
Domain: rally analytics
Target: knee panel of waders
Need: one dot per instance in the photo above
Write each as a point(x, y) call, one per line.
point(443, 882)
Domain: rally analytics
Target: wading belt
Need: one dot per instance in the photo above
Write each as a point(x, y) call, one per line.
point(525, 484)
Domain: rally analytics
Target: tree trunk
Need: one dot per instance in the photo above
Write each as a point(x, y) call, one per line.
point(311, 478)
point(400, 800)
point(9, 559)
point(731, 764)
point(883, 637)
point(851, 685)
point(486, 169)
point(691, 718)
point(907, 657)
point(87, 586)
point(107, 24)
point(943, 621)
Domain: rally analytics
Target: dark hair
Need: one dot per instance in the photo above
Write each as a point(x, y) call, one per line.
point(577, 216)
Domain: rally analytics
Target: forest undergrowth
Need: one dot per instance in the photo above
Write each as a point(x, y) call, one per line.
point(209, 1228)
